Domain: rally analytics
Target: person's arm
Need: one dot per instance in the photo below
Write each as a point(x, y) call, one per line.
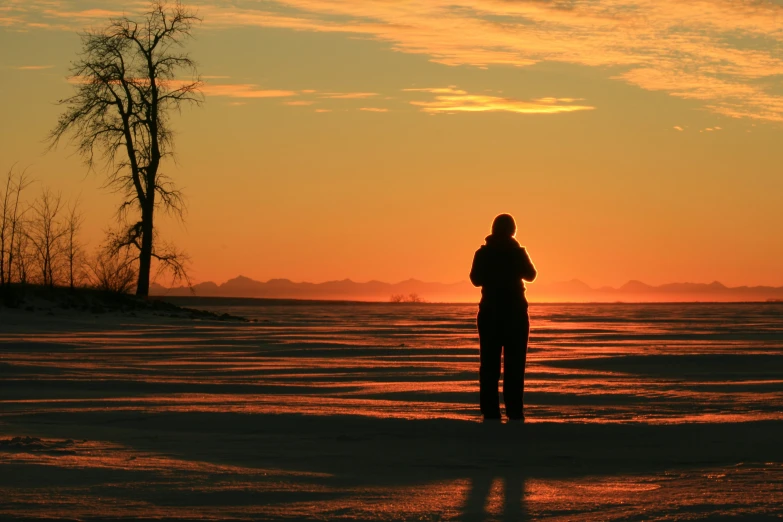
point(477, 270)
point(527, 268)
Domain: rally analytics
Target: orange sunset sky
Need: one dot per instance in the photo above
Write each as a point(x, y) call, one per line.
point(368, 139)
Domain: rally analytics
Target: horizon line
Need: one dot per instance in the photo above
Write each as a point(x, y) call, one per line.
point(303, 300)
point(465, 281)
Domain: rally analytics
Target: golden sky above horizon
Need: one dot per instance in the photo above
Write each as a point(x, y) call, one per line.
point(368, 139)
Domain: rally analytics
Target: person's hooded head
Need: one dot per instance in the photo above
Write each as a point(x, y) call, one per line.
point(504, 226)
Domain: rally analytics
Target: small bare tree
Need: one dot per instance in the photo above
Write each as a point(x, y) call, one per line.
point(126, 89)
point(11, 221)
point(4, 222)
point(414, 298)
point(73, 249)
point(46, 234)
point(4, 204)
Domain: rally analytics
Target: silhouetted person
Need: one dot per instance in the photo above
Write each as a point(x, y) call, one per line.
point(499, 268)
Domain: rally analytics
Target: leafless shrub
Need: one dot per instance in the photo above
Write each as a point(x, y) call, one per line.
point(111, 270)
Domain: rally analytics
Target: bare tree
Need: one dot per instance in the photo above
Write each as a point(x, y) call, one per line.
point(11, 219)
point(46, 234)
point(4, 222)
point(73, 249)
point(126, 89)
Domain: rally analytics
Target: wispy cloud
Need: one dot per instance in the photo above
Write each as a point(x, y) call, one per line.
point(250, 90)
point(678, 128)
point(373, 109)
point(725, 54)
point(557, 100)
point(85, 14)
point(244, 90)
point(451, 99)
point(437, 90)
point(33, 67)
point(347, 95)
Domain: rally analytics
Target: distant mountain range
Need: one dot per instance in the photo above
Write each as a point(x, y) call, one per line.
point(412, 290)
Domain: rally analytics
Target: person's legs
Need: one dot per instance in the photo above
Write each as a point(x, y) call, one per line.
point(489, 371)
point(515, 338)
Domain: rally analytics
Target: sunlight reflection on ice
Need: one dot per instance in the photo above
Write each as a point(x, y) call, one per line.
point(587, 363)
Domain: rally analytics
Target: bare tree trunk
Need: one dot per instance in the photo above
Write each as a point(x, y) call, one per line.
point(70, 265)
point(145, 254)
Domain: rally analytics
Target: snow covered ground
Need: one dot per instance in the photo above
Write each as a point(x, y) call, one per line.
point(350, 411)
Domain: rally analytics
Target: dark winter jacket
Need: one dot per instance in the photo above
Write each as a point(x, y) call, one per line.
point(499, 267)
